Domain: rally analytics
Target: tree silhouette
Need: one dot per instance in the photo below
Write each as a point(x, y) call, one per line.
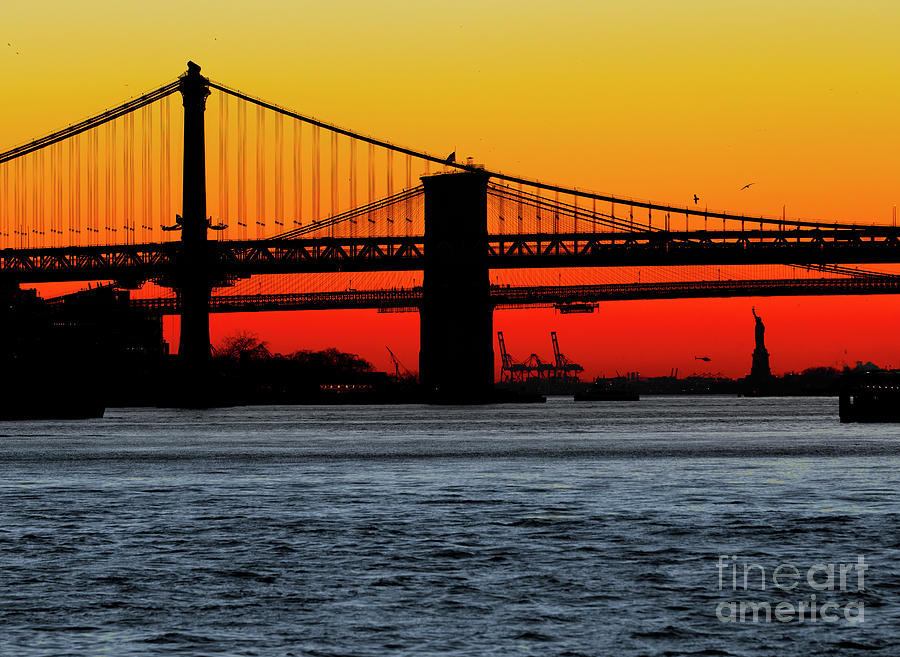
point(242, 346)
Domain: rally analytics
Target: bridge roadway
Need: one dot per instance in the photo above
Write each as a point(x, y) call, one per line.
point(531, 297)
point(160, 261)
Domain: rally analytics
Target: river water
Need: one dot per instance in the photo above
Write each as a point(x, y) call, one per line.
point(556, 529)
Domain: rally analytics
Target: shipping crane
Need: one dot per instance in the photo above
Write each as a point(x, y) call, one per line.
point(556, 355)
point(561, 368)
point(505, 359)
point(565, 369)
point(510, 370)
point(398, 366)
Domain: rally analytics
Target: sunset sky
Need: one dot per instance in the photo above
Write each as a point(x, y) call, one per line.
point(650, 99)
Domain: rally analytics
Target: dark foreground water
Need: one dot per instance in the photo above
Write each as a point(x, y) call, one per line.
point(557, 529)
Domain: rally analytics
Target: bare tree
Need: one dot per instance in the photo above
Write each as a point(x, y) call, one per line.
point(243, 345)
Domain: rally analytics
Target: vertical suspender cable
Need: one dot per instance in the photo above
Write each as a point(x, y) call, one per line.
point(353, 185)
point(575, 203)
point(390, 191)
point(12, 222)
point(165, 174)
point(77, 235)
point(315, 173)
point(107, 180)
point(334, 177)
point(4, 206)
point(221, 181)
point(39, 193)
point(163, 139)
point(242, 168)
point(298, 173)
point(556, 215)
point(147, 140)
point(95, 211)
point(279, 171)
point(224, 214)
point(520, 208)
point(23, 223)
point(133, 182)
point(18, 210)
point(408, 199)
point(260, 172)
point(371, 196)
point(20, 183)
point(30, 190)
point(113, 213)
point(57, 221)
point(128, 237)
point(502, 221)
point(91, 175)
point(17, 216)
point(126, 182)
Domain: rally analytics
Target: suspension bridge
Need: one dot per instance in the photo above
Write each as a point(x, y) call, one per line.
point(290, 203)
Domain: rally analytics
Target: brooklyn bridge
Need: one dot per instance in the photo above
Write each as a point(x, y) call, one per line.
point(271, 224)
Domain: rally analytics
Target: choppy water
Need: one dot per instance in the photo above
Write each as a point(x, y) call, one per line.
point(557, 529)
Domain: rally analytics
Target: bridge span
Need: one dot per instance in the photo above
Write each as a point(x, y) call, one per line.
point(506, 297)
point(136, 263)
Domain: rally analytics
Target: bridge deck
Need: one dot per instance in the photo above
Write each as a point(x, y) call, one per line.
point(524, 297)
point(159, 261)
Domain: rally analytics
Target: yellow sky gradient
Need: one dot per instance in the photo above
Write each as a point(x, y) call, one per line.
point(651, 99)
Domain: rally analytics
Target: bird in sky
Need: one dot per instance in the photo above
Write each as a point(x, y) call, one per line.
point(706, 358)
point(451, 158)
point(747, 186)
point(696, 199)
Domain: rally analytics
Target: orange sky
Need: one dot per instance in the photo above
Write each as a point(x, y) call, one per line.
point(650, 99)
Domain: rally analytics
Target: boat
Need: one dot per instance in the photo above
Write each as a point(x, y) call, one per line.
point(870, 396)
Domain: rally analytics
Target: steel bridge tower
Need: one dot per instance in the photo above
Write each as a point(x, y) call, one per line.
point(193, 280)
point(456, 357)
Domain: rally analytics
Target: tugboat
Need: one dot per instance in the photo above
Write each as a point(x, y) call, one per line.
point(608, 390)
point(870, 396)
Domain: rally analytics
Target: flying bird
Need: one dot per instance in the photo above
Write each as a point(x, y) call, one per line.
point(706, 358)
point(451, 158)
point(696, 199)
point(747, 186)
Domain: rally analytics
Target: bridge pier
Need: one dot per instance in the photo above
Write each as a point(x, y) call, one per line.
point(456, 357)
point(193, 279)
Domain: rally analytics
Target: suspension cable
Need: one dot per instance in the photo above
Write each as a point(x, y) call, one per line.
point(525, 181)
point(92, 122)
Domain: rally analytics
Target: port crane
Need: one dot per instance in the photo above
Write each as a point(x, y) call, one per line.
point(398, 366)
point(561, 369)
point(565, 368)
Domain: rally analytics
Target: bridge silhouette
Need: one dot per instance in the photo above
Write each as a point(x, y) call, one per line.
point(99, 201)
